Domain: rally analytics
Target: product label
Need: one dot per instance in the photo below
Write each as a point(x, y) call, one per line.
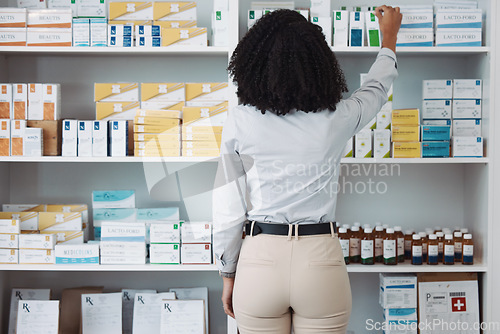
point(433, 250)
point(401, 246)
point(468, 250)
point(366, 249)
point(424, 248)
point(407, 246)
point(449, 250)
point(354, 246)
point(389, 249)
point(379, 250)
point(458, 247)
point(344, 243)
point(416, 251)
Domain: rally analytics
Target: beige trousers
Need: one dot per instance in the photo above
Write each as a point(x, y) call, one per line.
point(283, 280)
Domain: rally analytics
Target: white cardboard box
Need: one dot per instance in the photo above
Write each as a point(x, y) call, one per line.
point(70, 138)
point(51, 102)
point(467, 89)
point(37, 256)
point(325, 22)
point(164, 254)
point(436, 109)
point(466, 128)
point(467, 147)
point(81, 32)
point(398, 291)
point(10, 241)
point(356, 29)
point(467, 109)
point(77, 254)
point(37, 241)
point(196, 253)
point(196, 232)
point(85, 129)
point(340, 28)
point(437, 89)
point(33, 142)
point(100, 139)
point(382, 143)
point(35, 101)
point(20, 101)
point(6, 104)
point(118, 132)
point(9, 256)
point(363, 144)
point(10, 226)
point(165, 233)
point(459, 37)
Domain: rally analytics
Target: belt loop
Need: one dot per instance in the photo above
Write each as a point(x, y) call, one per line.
point(251, 228)
point(296, 231)
point(290, 229)
point(332, 230)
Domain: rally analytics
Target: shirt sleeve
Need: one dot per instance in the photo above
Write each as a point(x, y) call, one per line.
point(228, 200)
point(366, 102)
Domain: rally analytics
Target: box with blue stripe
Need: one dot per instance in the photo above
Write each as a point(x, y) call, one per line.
point(123, 232)
point(398, 291)
point(121, 215)
point(435, 132)
point(77, 254)
point(436, 149)
point(459, 19)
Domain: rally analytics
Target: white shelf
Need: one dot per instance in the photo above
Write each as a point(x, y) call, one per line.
point(53, 159)
point(455, 51)
point(409, 268)
point(76, 267)
point(172, 50)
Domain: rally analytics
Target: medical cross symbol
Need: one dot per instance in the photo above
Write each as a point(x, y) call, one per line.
point(458, 304)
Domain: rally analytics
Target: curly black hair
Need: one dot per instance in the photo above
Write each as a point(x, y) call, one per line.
point(284, 63)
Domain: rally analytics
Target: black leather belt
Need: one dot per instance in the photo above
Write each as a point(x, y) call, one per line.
point(282, 229)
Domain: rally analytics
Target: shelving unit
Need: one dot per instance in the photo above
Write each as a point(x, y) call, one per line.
point(419, 192)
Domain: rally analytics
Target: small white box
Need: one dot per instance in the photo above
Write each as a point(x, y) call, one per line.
point(9, 256)
point(437, 89)
point(10, 226)
point(17, 128)
point(349, 149)
point(77, 254)
point(325, 22)
point(417, 19)
point(148, 41)
point(100, 139)
point(5, 137)
point(466, 147)
point(49, 37)
point(415, 37)
point(20, 101)
point(459, 19)
point(436, 122)
point(340, 28)
point(118, 231)
point(33, 142)
point(467, 89)
point(29, 219)
point(122, 249)
point(123, 260)
point(32, 3)
point(356, 29)
point(13, 36)
point(120, 30)
point(320, 7)
point(37, 256)
point(51, 102)
point(400, 320)
point(64, 4)
point(148, 30)
point(384, 120)
point(121, 199)
point(118, 132)
point(66, 237)
point(174, 11)
point(81, 32)
point(70, 138)
point(398, 291)
point(60, 221)
point(467, 109)
point(220, 28)
point(13, 17)
point(459, 37)
point(382, 143)
point(253, 16)
point(50, 18)
point(85, 138)
point(466, 128)
point(363, 144)
point(35, 101)
point(165, 233)
point(196, 232)
point(91, 8)
point(164, 254)
point(37, 241)
point(196, 254)
point(6, 104)
point(98, 32)
point(10, 241)
point(436, 109)
point(120, 41)
point(373, 35)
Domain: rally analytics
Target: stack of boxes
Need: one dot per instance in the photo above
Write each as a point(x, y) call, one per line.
point(49, 27)
point(148, 36)
point(459, 27)
point(165, 243)
point(9, 240)
point(398, 298)
point(13, 26)
point(120, 35)
point(90, 23)
point(114, 206)
point(116, 101)
point(405, 133)
point(123, 243)
point(37, 249)
point(416, 26)
point(196, 247)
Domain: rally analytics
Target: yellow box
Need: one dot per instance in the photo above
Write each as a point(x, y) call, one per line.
point(145, 137)
point(139, 128)
point(207, 91)
point(158, 153)
point(407, 150)
point(159, 113)
point(405, 133)
point(189, 129)
point(116, 92)
point(162, 105)
point(24, 207)
point(405, 117)
point(157, 145)
point(184, 37)
point(174, 11)
point(66, 237)
point(167, 123)
point(83, 208)
point(29, 220)
point(192, 114)
point(135, 11)
point(202, 136)
point(202, 152)
point(57, 221)
point(163, 92)
point(116, 110)
point(189, 144)
point(5, 137)
point(176, 24)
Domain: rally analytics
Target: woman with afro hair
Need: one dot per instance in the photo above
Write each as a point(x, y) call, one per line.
point(278, 171)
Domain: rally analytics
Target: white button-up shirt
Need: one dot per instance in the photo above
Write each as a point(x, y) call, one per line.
point(284, 169)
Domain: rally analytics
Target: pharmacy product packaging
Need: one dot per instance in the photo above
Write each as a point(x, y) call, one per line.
point(37, 256)
point(165, 233)
point(113, 199)
point(415, 37)
point(118, 133)
point(148, 30)
point(349, 149)
point(91, 8)
point(207, 92)
point(50, 18)
point(123, 260)
point(405, 133)
point(98, 32)
point(10, 241)
point(24, 207)
point(467, 147)
point(384, 120)
point(363, 144)
point(459, 19)
point(60, 221)
point(325, 22)
point(125, 215)
point(28, 220)
point(120, 30)
point(116, 92)
point(437, 89)
point(165, 254)
point(220, 28)
point(382, 143)
point(81, 32)
point(17, 128)
point(436, 122)
point(148, 41)
point(356, 29)
point(123, 249)
point(20, 101)
point(23, 294)
point(51, 102)
point(373, 34)
point(32, 4)
point(436, 133)
point(116, 110)
point(6, 104)
point(162, 92)
point(466, 128)
point(66, 237)
point(70, 138)
point(406, 150)
point(10, 226)
point(37, 241)
point(77, 254)
point(459, 37)
point(184, 37)
point(49, 37)
point(13, 36)
point(85, 138)
point(400, 320)
point(116, 231)
point(120, 41)
point(5, 137)
point(35, 98)
point(9, 256)
point(398, 291)
point(436, 149)
point(13, 17)
point(436, 109)
point(405, 117)
point(196, 253)
point(100, 139)
point(130, 11)
point(467, 89)
point(174, 11)
point(253, 16)
point(340, 28)
point(416, 19)
point(158, 214)
point(64, 4)
point(196, 232)
point(467, 109)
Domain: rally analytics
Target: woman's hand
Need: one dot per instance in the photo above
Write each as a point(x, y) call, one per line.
point(389, 22)
point(227, 295)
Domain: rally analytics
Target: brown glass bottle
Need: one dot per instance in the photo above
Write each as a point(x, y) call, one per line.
point(423, 237)
point(400, 244)
point(390, 248)
point(354, 245)
point(344, 243)
point(368, 247)
point(457, 239)
point(379, 244)
point(449, 249)
point(467, 249)
point(432, 250)
point(440, 240)
point(408, 240)
point(416, 249)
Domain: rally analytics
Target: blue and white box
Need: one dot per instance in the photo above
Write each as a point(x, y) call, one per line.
point(123, 232)
point(120, 30)
point(467, 147)
point(81, 32)
point(437, 89)
point(400, 320)
point(467, 89)
point(70, 138)
point(415, 37)
point(467, 128)
point(417, 19)
point(196, 232)
point(98, 32)
point(105, 199)
point(158, 214)
point(100, 139)
point(112, 214)
point(436, 149)
point(118, 133)
point(85, 138)
point(148, 41)
point(356, 29)
point(148, 30)
point(398, 291)
point(435, 133)
point(77, 254)
point(470, 109)
point(120, 41)
point(459, 37)
point(165, 233)
point(459, 19)
point(436, 109)
point(436, 122)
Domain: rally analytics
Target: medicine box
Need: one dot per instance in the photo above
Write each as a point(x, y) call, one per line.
point(66, 237)
point(118, 131)
point(165, 254)
point(77, 254)
point(116, 92)
point(459, 37)
point(373, 34)
point(467, 127)
point(436, 109)
point(6, 104)
point(467, 89)
point(5, 137)
point(32, 3)
point(202, 152)
point(165, 233)
point(158, 214)
point(405, 117)
point(49, 37)
point(148, 30)
point(459, 19)
point(406, 150)
point(325, 22)
point(100, 139)
point(123, 260)
point(10, 241)
point(98, 32)
point(398, 291)
point(118, 231)
point(184, 37)
point(436, 149)
point(13, 37)
point(35, 98)
point(13, 17)
point(382, 143)
point(116, 110)
point(415, 37)
point(24, 207)
point(196, 253)
point(384, 120)
point(20, 101)
point(37, 256)
point(81, 32)
point(468, 109)
point(174, 11)
point(82, 208)
point(134, 11)
point(220, 28)
point(400, 320)
point(122, 249)
point(207, 92)
point(17, 128)
point(112, 214)
point(28, 220)
point(9, 256)
point(60, 221)
point(120, 30)
point(405, 133)
point(196, 232)
point(340, 28)
point(37, 241)
point(113, 199)
point(363, 144)
point(417, 19)
point(253, 16)
point(162, 105)
point(356, 29)
point(120, 41)
point(85, 138)
point(148, 41)
point(467, 147)
point(49, 18)
point(436, 132)
point(91, 8)
point(436, 122)
point(437, 89)
point(10, 226)
point(70, 138)
point(33, 142)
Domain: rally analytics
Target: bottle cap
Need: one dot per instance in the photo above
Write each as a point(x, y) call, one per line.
point(378, 224)
point(390, 230)
point(440, 234)
point(368, 230)
point(379, 228)
point(355, 228)
point(415, 237)
point(468, 236)
point(422, 234)
point(386, 226)
point(432, 237)
point(464, 230)
point(357, 224)
point(457, 234)
point(448, 237)
point(346, 226)
point(408, 232)
point(366, 226)
point(342, 230)
point(397, 228)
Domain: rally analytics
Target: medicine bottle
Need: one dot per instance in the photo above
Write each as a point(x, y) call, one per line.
point(464, 230)
point(385, 226)
point(449, 249)
point(367, 247)
point(400, 244)
point(408, 240)
point(344, 243)
point(354, 245)
point(416, 249)
point(423, 237)
point(440, 240)
point(347, 228)
point(468, 249)
point(390, 247)
point(433, 250)
point(457, 239)
point(379, 243)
